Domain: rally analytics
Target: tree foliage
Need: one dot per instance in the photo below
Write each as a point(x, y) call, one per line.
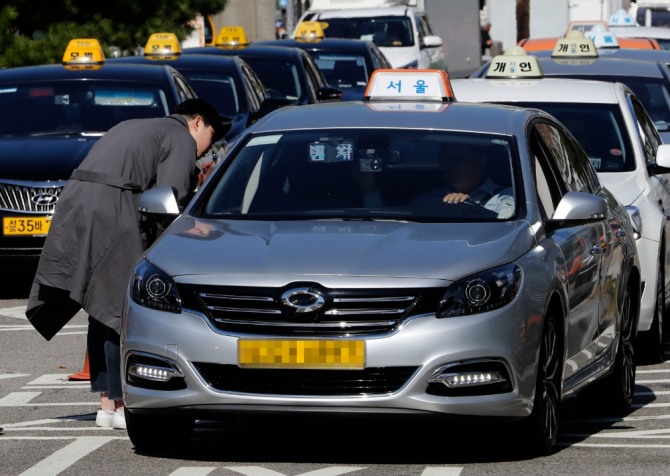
point(37, 31)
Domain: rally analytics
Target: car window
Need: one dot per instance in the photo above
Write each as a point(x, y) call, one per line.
point(572, 165)
point(599, 129)
point(315, 78)
point(647, 130)
point(366, 173)
point(393, 31)
point(281, 78)
point(255, 87)
point(218, 89)
point(342, 70)
point(184, 89)
point(548, 182)
point(76, 106)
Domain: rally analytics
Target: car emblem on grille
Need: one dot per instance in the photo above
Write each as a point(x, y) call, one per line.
point(44, 199)
point(303, 300)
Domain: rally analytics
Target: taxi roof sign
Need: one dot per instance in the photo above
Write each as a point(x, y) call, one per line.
point(621, 18)
point(162, 45)
point(232, 36)
point(575, 44)
point(514, 63)
point(602, 37)
point(409, 85)
point(309, 30)
point(83, 52)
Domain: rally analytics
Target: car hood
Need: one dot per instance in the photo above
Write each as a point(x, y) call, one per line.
point(625, 186)
point(340, 248)
point(42, 158)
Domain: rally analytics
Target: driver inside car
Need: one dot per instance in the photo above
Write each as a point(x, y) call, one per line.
point(467, 179)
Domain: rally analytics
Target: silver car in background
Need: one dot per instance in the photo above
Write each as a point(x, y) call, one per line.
point(313, 274)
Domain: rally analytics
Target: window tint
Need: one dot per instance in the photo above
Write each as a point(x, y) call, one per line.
point(647, 131)
point(76, 106)
point(572, 165)
point(367, 173)
point(383, 31)
point(600, 131)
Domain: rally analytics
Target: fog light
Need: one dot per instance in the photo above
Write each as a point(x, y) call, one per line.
point(151, 372)
point(470, 379)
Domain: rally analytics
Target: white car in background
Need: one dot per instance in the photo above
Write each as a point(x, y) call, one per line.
point(402, 33)
point(624, 147)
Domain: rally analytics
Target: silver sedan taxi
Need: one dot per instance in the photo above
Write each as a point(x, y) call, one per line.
point(335, 263)
point(615, 130)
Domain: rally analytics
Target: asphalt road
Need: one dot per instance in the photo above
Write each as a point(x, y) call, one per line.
point(49, 427)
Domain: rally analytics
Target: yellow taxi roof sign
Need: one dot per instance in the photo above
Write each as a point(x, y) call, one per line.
point(514, 63)
point(83, 51)
point(621, 18)
point(575, 44)
point(162, 45)
point(232, 36)
point(602, 37)
point(309, 30)
point(409, 85)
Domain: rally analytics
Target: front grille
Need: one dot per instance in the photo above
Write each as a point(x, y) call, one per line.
point(370, 381)
point(260, 311)
point(31, 198)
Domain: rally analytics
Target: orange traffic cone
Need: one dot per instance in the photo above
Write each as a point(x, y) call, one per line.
point(84, 374)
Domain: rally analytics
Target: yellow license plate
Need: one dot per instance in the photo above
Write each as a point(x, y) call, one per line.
point(301, 354)
point(25, 226)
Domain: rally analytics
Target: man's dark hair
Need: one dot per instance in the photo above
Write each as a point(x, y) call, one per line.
point(197, 107)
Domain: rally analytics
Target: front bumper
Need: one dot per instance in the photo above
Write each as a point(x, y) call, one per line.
point(423, 345)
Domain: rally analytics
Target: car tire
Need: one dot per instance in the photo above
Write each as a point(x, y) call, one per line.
point(540, 430)
point(614, 393)
point(650, 343)
point(151, 433)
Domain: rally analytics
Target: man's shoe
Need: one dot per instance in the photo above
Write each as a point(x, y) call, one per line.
point(119, 421)
point(104, 419)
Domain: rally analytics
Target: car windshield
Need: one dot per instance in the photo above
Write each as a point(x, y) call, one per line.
point(365, 174)
point(75, 107)
point(217, 89)
point(653, 95)
point(394, 31)
point(342, 71)
point(280, 78)
point(600, 130)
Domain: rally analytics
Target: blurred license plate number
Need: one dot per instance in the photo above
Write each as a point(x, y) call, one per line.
point(22, 226)
point(301, 354)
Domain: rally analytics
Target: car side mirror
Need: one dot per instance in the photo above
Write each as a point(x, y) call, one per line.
point(270, 104)
point(577, 208)
point(432, 41)
point(329, 93)
point(159, 201)
point(662, 165)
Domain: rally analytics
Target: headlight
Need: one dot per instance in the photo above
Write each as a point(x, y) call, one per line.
point(151, 287)
point(482, 292)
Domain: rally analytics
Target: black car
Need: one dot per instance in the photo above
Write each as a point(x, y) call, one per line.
point(52, 116)
point(227, 83)
point(287, 73)
point(346, 64)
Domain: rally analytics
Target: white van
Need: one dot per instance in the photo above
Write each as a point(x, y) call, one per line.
point(402, 33)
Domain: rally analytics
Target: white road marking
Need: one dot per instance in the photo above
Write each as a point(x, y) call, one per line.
point(6, 376)
point(65, 457)
point(259, 471)
point(442, 471)
point(18, 312)
point(193, 471)
point(52, 379)
point(20, 399)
